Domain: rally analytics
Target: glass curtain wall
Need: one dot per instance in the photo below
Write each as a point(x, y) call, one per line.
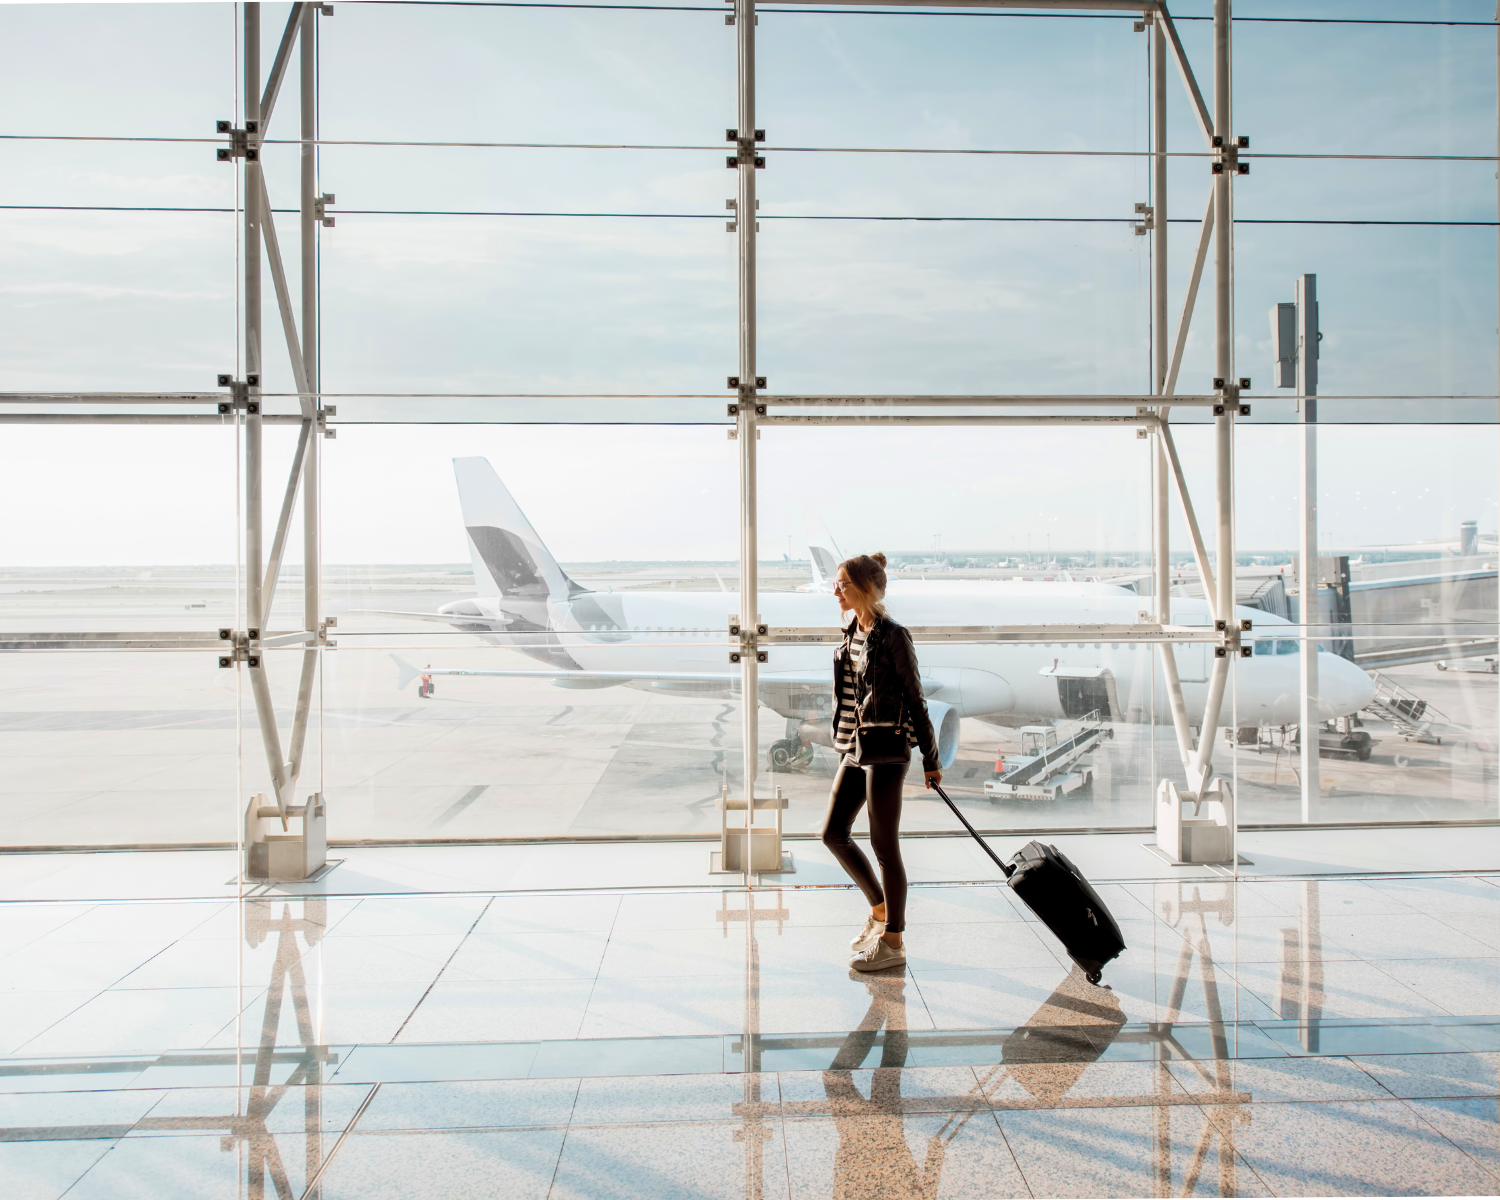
point(121, 544)
point(531, 516)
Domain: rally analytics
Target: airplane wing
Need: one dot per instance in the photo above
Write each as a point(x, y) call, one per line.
point(445, 619)
point(812, 679)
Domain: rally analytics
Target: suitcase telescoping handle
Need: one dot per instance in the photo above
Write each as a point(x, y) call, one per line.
point(1004, 866)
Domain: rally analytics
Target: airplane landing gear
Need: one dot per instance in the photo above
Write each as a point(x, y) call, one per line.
point(790, 754)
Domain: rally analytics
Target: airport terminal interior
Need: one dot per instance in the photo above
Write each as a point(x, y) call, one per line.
point(432, 434)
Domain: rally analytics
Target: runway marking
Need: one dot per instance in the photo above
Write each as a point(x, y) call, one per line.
point(462, 803)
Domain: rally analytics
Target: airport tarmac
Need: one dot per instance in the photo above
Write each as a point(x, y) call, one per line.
point(130, 748)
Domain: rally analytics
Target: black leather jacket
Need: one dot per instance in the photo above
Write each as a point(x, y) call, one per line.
point(889, 687)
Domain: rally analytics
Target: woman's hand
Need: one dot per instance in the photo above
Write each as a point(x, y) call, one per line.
point(933, 778)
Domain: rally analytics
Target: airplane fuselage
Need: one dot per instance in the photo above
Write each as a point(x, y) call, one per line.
point(684, 632)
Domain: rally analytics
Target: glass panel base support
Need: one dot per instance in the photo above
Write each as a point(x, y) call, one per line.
point(1200, 834)
point(749, 847)
point(285, 856)
point(788, 865)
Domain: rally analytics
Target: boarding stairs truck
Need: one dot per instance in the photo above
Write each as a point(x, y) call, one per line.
point(1048, 766)
point(1411, 716)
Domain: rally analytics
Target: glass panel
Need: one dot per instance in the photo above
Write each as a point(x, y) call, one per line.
point(135, 70)
point(513, 305)
point(117, 301)
point(977, 532)
point(1404, 312)
point(1407, 621)
point(954, 308)
point(528, 75)
point(1301, 86)
point(417, 747)
point(128, 531)
point(824, 80)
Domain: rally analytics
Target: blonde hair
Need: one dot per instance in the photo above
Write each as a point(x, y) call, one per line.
point(867, 573)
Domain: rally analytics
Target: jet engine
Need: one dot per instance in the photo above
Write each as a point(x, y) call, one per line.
point(945, 726)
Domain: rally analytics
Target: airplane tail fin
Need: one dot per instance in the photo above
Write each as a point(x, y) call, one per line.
point(508, 557)
point(823, 555)
point(405, 671)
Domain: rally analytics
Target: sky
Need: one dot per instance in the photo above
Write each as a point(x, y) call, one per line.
point(516, 304)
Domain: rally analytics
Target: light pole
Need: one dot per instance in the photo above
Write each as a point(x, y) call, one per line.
point(1294, 332)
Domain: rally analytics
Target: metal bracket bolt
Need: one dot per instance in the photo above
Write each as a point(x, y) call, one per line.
point(239, 141)
point(748, 639)
point(746, 152)
point(320, 209)
point(1148, 221)
point(1228, 158)
point(733, 226)
point(239, 395)
point(240, 651)
point(734, 382)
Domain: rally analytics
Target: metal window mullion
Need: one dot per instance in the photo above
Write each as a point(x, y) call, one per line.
point(311, 488)
point(745, 221)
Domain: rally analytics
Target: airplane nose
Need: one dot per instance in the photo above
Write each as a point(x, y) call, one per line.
point(1344, 688)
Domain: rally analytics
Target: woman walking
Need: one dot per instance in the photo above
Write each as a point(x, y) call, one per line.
point(878, 715)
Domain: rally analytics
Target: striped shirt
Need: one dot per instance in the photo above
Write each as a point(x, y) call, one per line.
point(843, 736)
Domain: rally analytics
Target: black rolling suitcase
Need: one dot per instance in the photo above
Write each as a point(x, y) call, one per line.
point(1052, 887)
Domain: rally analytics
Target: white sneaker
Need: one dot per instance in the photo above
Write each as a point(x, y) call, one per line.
point(879, 956)
point(874, 928)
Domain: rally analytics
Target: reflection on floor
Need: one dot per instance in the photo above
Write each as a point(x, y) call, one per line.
point(1281, 1036)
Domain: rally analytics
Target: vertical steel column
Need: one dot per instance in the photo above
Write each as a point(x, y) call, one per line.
point(745, 217)
point(1160, 385)
point(254, 553)
point(1159, 298)
point(311, 517)
point(255, 614)
point(1309, 722)
point(1223, 369)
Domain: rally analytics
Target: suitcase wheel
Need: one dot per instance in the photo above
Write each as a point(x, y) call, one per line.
point(1095, 976)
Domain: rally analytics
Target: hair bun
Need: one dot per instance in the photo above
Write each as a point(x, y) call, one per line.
point(879, 557)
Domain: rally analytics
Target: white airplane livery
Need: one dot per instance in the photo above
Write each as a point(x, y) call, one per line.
point(676, 642)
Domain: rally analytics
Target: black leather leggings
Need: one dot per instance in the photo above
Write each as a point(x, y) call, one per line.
point(880, 786)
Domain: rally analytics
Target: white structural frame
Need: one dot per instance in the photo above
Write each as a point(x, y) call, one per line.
point(1149, 413)
point(754, 403)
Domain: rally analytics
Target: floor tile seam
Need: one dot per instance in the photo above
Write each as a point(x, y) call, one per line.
point(926, 1008)
point(59, 1021)
point(424, 1130)
point(108, 1149)
point(1427, 958)
point(1014, 1158)
point(1492, 1171)
point(479, 917)
point(1401, 983)
point(1227, 1137)
point(588, 1002)
point(562, 1146)
point(689, 889)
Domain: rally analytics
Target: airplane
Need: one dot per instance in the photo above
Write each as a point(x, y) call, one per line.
point(676, 642)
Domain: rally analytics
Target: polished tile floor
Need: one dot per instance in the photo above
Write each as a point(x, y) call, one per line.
point(1265, 1036)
